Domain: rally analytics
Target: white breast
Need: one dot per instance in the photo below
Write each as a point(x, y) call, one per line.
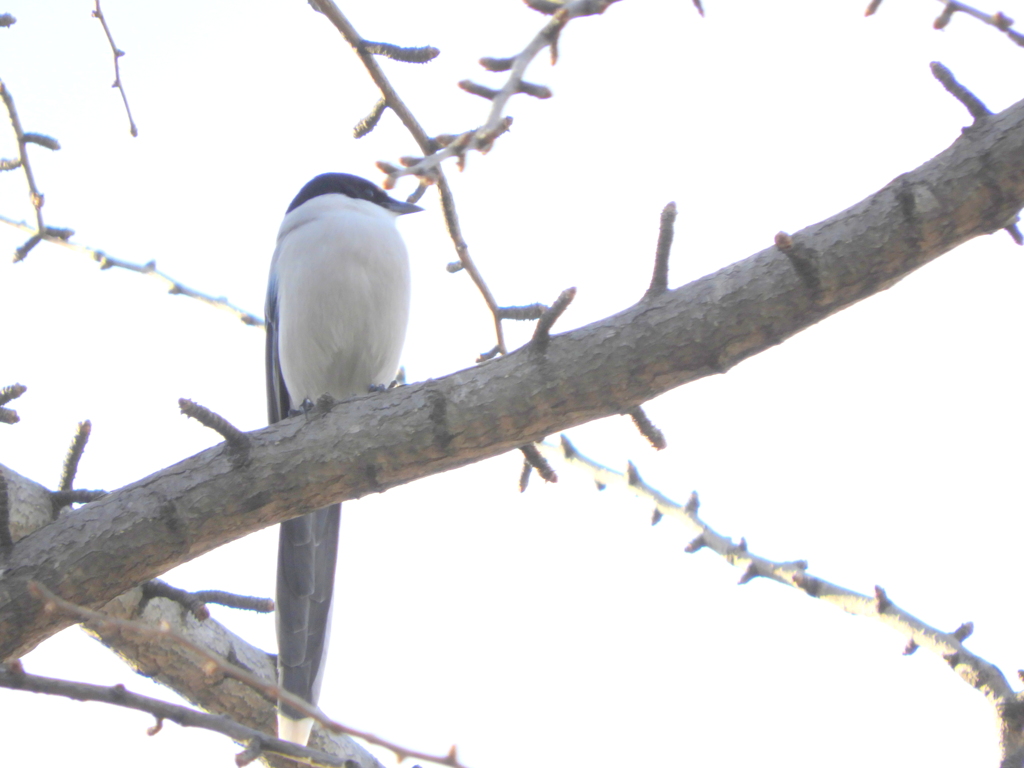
point(342, 277)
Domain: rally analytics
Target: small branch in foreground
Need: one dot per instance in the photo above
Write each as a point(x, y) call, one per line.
point(51, 603)
point(999, 20)
point(666, 230)
point(542, 333)
point(654, 435)
point(524, 476)
point(195, 602)
point(533, 459)
point(235, 437)
point(67, 477)
point(420, 55)
point(118, 53)
point(14, 677)
point(391, 98)
point(483, 137)
point(964, 96)
point(526, 312)
point(60, 237)
point(977, 672)
point(8, 393)
point(978, 111)
point(35, 195)
point(61, 499)
point(368, 123)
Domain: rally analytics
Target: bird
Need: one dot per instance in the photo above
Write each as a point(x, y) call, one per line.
point(336, 315)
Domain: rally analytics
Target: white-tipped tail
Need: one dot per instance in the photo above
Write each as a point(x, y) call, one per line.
point(295, 731)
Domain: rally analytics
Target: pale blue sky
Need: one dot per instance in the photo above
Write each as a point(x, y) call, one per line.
point(557, 627)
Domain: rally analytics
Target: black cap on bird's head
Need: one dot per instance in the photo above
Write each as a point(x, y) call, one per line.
point(353, 186)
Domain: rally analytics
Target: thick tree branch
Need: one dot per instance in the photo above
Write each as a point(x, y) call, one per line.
point(376, 442)
point(171, 664)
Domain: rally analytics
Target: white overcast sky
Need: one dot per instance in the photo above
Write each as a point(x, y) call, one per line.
point(557, 627)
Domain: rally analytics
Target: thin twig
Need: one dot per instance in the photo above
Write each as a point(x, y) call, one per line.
point(978, 672)
point(61, 499)
point(118, 53)
point(526, 312)
point(368, 123)
point(666, 230)
point(35, 195)
point(217, 663)
point(234, 436)
point(654, 435)
point(67, 476)
point(396, 105)
point(11, 392)
point(999, 20)
point(60, 237)
point(196, 602)
point(231, 600)
point(483, 137)
point(964, 96)
point(542, 333)
point(538, 462)
point(14, 677)
point(419, 55)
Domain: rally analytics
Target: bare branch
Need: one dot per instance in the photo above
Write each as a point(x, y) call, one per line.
point(61, 499)
point(964, 96)
point(60, 237)
point(999, 20)
point(368, 123)
point(426, 145)
point(419, 55)
point(67, 477)
point(527, 312)
point(14, 677)
point(12, 392)
point(666, 230)
point(216, 663)
point(483, 137)
point(232, 434)
point(976, 671)
point(118, 53)
point(536, 461)
point(654, 435)
point(195, 602)
point(34, 194)
point(542, 333)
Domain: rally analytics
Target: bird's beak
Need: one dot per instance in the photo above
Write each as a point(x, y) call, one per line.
point(399, 207)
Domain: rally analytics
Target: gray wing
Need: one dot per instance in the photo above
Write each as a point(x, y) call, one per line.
point(307, 552)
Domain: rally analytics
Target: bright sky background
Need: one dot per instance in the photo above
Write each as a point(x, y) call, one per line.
point(557, 627)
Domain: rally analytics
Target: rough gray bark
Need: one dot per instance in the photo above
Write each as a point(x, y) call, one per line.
point(380, 441)
point(167, 662)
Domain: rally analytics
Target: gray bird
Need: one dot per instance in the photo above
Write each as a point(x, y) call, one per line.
point(337, 310)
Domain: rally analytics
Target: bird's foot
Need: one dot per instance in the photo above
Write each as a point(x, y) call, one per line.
point(303, 409)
